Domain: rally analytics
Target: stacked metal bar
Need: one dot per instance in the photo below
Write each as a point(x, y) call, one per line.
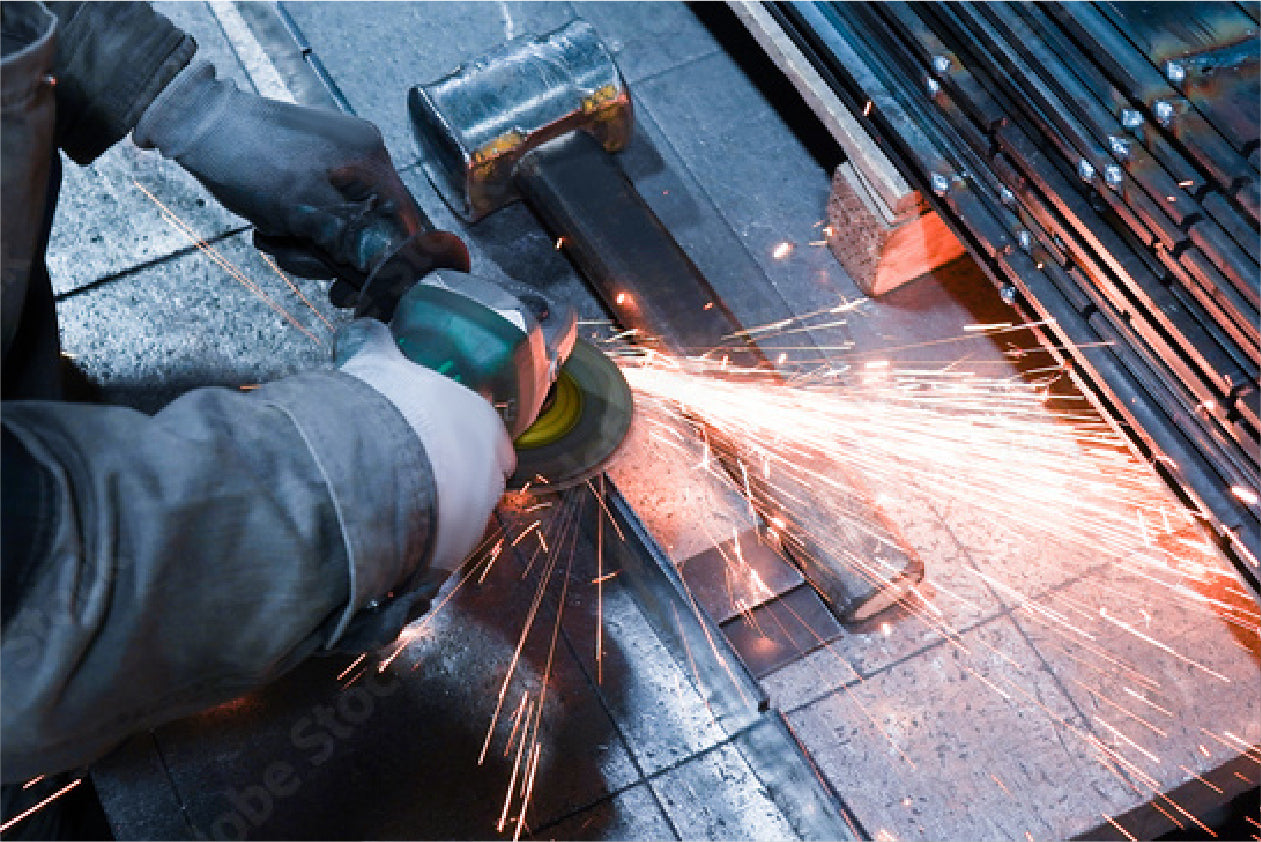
point(1101, 163)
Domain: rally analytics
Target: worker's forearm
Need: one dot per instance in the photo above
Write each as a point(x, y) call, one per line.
point(182, 559)
point(112, 59)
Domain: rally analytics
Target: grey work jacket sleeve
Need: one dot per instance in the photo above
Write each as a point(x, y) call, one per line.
point(179, 560)
point(112, 59)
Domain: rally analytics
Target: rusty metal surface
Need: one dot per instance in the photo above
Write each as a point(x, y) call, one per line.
point(1208, 51)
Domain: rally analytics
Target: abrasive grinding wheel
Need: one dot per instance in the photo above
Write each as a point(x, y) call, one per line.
point(583, 422)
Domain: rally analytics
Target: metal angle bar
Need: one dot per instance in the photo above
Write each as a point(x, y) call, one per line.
point(739, 704)
point(691, 637)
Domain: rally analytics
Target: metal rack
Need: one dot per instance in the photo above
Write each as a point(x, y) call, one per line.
point(1101, 163)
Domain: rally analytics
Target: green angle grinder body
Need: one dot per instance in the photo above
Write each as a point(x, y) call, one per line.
point(565, 403)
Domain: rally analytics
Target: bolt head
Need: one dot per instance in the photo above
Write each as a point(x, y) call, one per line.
point(1175, 71)
point(1085, 169)
point(940, 183)
point(1025, 239)
point(941, 64)
point(932, 86)
point(1114, 176)
point(1008, 293)
point(1131, 118)
point(1120, 147)
point(1007, 197)
point(1163, 110)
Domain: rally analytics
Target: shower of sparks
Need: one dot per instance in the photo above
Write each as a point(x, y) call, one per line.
point(882, 432)
point(814, 452)
point(937, 435)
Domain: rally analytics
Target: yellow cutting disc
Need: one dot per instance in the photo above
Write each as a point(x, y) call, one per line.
point(585, 420)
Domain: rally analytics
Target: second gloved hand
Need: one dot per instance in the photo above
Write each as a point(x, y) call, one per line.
point(318, 185)
point(463, 436)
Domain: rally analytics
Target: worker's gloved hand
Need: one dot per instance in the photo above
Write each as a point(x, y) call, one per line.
point(318, 185)
point(464, 437)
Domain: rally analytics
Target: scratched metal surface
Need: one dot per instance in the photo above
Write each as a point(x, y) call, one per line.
point(904, 722)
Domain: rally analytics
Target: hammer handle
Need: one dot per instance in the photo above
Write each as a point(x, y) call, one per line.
point(626, 254)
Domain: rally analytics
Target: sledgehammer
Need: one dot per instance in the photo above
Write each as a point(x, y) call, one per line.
point(538, 119)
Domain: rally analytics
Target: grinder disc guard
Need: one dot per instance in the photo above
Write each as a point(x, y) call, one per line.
point(583, 423)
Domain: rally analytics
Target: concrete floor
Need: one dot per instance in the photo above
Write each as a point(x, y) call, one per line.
point(983, 725)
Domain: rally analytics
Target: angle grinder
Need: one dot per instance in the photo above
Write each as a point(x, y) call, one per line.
point(565, 404)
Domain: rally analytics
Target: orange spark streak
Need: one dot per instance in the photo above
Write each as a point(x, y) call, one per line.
point(270, 261)
point(525, 799)
point(213, 253)
point(599, 583)
point(1128, 713)
point(41, 805)
point(1247, 753)
point(1242, 743)
point(527, 531)
point(516, 722)
point(353, 664)
point(1208, 784)
point(516, 656)
point(1116, 732)
point(512, 782)
point(1123, 831)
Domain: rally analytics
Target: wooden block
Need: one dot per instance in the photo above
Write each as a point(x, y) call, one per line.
point(882, 231)
point(882, 255)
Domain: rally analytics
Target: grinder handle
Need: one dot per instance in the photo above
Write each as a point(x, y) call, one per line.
point(624, 251)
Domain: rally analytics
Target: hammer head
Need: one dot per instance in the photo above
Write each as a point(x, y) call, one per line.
point(475, 124)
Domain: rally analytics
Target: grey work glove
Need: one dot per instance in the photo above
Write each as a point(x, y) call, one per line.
point(318, 185)
point(463, 436)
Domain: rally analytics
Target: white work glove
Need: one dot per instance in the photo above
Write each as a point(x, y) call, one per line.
point(463, 436)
